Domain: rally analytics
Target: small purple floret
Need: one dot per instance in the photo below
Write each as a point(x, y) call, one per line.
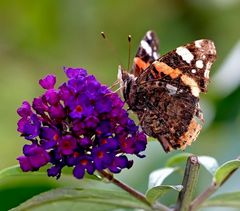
point(81, 124)
point(25, 110)
point(75, 72)
point(48, 82)
point(34, 158)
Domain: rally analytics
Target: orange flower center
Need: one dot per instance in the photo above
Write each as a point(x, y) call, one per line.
point(66, 144)
point(100, 154)
point(55, 137)
point(84, 162)
point(104, 141)
point(78, 108)
point(76, 154)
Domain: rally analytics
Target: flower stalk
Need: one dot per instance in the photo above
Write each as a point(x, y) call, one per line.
point(203, 196)
point(138, 195)
point(124, 186)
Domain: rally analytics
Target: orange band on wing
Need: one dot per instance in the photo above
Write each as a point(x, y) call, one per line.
point(174, 73)
point(164, 68)
point(140, 63)
point(192, 84)
point(190, 135)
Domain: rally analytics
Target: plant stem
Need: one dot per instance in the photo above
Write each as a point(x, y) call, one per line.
point(203, 196)
point(207, 193)
point(132, 191)
point(189, 183)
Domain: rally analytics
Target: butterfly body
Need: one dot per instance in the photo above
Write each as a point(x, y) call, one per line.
point(164, 91)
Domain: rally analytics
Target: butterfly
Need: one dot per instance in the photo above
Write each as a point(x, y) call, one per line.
point(164, 90)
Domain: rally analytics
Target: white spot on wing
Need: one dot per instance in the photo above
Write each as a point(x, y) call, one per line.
point(198, 43)
point(195, 91)
point(185, 54)
point(172, 89)
point(149, 35)
point(208, 66)
point(199, 64)
point(146, 47)
point(155, 55)
point(193, 70)
point(206, 73)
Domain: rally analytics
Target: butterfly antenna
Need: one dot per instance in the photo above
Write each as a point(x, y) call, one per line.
point(129, 50)
point(111, 47)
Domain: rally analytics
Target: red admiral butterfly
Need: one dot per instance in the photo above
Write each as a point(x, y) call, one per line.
point(164, 90)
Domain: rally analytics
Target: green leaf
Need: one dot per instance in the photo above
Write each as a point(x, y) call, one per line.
point(155, 193)
point(157, 177)
point(225, 170)
point(81, 199)
point(176, 159)
point(13, 181)
point(17, 171)
point(224, 200)
point(209, 163)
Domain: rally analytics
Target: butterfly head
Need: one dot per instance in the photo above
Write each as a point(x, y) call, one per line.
point(127, 81)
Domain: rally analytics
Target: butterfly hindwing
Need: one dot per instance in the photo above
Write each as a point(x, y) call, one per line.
point(169, 111)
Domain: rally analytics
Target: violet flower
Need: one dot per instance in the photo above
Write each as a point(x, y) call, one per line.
point(82, 125)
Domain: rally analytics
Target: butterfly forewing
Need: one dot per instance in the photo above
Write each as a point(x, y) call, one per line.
point(146, 53)
point(194, 59)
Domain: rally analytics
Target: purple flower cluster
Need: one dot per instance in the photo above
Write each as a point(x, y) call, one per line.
point(82, 124)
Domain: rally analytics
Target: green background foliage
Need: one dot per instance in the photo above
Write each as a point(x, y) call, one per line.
point(40, 37)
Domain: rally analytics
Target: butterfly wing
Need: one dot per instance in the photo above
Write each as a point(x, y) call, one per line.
point(168, 94)
point(193, 60)
point(146, 53)
point(167, 112)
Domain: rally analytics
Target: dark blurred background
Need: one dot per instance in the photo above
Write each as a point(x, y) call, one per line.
point(40, 37)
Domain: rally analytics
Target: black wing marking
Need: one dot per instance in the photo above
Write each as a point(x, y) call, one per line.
point(146, 53)
point(194, 59)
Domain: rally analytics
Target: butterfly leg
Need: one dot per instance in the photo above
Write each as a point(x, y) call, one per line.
point(114, 84)
point(199, 113)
